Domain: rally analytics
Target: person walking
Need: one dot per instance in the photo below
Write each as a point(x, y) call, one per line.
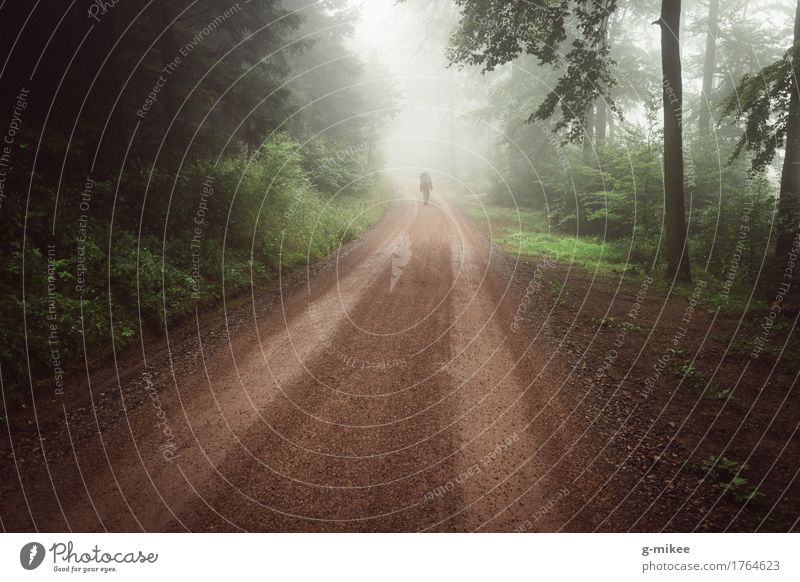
point(425, 186)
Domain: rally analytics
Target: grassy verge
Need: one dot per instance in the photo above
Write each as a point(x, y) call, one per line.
point(112, 273)
point(529, 233)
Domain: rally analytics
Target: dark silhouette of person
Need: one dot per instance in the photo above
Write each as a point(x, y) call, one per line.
point(425, 186)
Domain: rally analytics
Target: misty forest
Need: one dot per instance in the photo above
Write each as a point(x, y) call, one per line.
point(400, 265)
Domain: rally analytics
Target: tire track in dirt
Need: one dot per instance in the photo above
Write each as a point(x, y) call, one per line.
point(387, 395)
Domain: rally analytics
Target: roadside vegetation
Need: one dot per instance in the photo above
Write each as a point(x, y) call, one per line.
point(529, 233)
point(633, 156)
point(227, 156)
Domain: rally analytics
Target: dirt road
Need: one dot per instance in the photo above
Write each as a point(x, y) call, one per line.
point(413, 382)
point(385, 394)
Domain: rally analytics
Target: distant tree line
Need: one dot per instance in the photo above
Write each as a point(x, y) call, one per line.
point(590, 56)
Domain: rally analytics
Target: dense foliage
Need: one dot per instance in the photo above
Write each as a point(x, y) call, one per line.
point(612, 188)
point(197, 148)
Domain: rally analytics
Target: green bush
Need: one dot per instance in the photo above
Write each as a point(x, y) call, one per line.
point(235, 223)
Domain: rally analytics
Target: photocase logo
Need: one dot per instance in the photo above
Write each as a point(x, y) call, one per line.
point(401, 255)
point(31, 555)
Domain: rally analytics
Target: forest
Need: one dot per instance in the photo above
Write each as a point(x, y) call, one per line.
point(107, 203)
point(134, 190)
point(400, 265)
point(678, 156)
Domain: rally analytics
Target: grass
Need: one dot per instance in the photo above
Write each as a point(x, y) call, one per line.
point(531, 233)
point(500, 215)
point(691, 377)
point(140, 282)
point(585, 252)
point(728, 476)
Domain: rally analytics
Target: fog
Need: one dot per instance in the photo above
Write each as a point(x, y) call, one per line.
point(233, 300)
point(436, 127)
point(451, 119)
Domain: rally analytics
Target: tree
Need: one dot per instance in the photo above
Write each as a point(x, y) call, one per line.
point(709, 66)
point(491, 33)
point(495, 32)
point(769, 102)
point(601, 123)
point(789, 205)
point(674, 204)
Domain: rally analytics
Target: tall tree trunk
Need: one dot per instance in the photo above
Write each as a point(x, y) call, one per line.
point(588, 137)
point(612, 128)
point(709, 67)
point(451, 120)
point(674, 205)
point(602, 109)
point(600, 121)
point(169, 47)
point(789, 202)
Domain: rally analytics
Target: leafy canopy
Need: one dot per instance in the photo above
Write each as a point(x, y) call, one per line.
point(762, 100)
point(568, 35)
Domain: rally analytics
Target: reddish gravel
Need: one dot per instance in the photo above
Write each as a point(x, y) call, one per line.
point(418, 380)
